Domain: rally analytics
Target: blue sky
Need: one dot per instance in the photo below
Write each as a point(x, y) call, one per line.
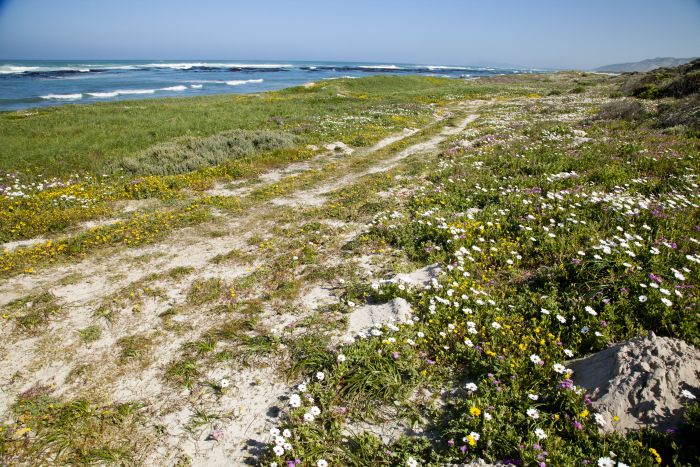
point(538, 33)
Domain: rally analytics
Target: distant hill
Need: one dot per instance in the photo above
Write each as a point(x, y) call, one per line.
point(645, 65)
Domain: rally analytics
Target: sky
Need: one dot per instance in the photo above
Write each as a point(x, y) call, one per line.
point(579, 34)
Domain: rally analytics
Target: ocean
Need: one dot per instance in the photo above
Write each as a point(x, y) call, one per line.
point(27, 84)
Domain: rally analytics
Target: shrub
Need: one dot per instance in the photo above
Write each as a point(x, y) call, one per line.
point(625, 109)
point(684, 112)
point(188, 153)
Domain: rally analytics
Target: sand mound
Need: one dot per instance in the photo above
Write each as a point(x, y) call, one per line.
point(419, 277)
point(641, 381)
point(363, 318)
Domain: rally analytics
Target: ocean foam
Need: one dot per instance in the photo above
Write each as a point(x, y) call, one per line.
point(196, 86)
point(187, 66)
point(174, 88)
point(442, 67)
point(63, 96)
point(379, 67)
point(121, 92)
point(238, 82)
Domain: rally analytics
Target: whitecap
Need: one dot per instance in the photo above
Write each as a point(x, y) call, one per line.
point(63, 96)
point(196, 86)
point(243, 81)
point(120, 92)
point(188, 65)
point(174, 88)
point(442, 67)
point(379, 67)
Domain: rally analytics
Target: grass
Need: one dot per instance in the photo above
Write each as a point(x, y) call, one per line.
point(66, 139)
point(32, 313)
point(518, 209)
point(73, 433)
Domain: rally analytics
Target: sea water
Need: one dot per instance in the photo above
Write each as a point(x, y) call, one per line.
point(26, 84)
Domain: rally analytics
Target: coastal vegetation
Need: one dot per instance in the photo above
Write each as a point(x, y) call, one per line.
point(179, 270)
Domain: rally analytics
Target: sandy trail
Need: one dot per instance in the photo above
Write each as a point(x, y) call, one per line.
point(49, 358)
point(316, 196)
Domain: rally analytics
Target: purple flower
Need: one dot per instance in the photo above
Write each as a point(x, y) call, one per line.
point(451, 442)
point(463, 449)
point(577, 425)
point(566, 384)
point(395, 355)
point(655, 278)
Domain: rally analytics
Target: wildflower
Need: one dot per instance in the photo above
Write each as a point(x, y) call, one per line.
point(474, 411)
point(666, 301)
point(286, 433)
point(561, 319)
point(315, 411)
point(495, 325)
point(687, 394)
point(539, 432)
point(294, 401)
point(535, 359)
point(568, 353)
point(591, 311)
point(488, 417)
point(309, 417)
point(411, 462)
point(643, 298)
point(656, 455)
point(341, 358)
point(559, 368)
point(274, 431)
point(474, 435)
point(320, 376)
point(302, 387)
point(224, 383)
point(606, 462)
point(534, 397)
point(544, 311)
point(533, 413)
point(471, 387)
point(278, 450)
point(321, 463)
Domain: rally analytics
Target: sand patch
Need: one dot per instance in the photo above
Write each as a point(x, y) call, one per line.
point(641, 381)
point(365, 317)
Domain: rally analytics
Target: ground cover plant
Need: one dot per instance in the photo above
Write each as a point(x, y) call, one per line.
point(155, 316)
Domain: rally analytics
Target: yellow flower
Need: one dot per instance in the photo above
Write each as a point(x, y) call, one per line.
point(616, 418)
point(584, 414)
point(471, 440)
point(475, 411)
point(655, 454)
point(22, 431)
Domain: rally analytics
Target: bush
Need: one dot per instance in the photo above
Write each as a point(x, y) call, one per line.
point(684, 112)
point(664, 82)
point(683, 85)
point(188, 153)
point(625, 109)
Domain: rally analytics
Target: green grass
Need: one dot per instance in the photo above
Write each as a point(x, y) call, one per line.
point(93, 138)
